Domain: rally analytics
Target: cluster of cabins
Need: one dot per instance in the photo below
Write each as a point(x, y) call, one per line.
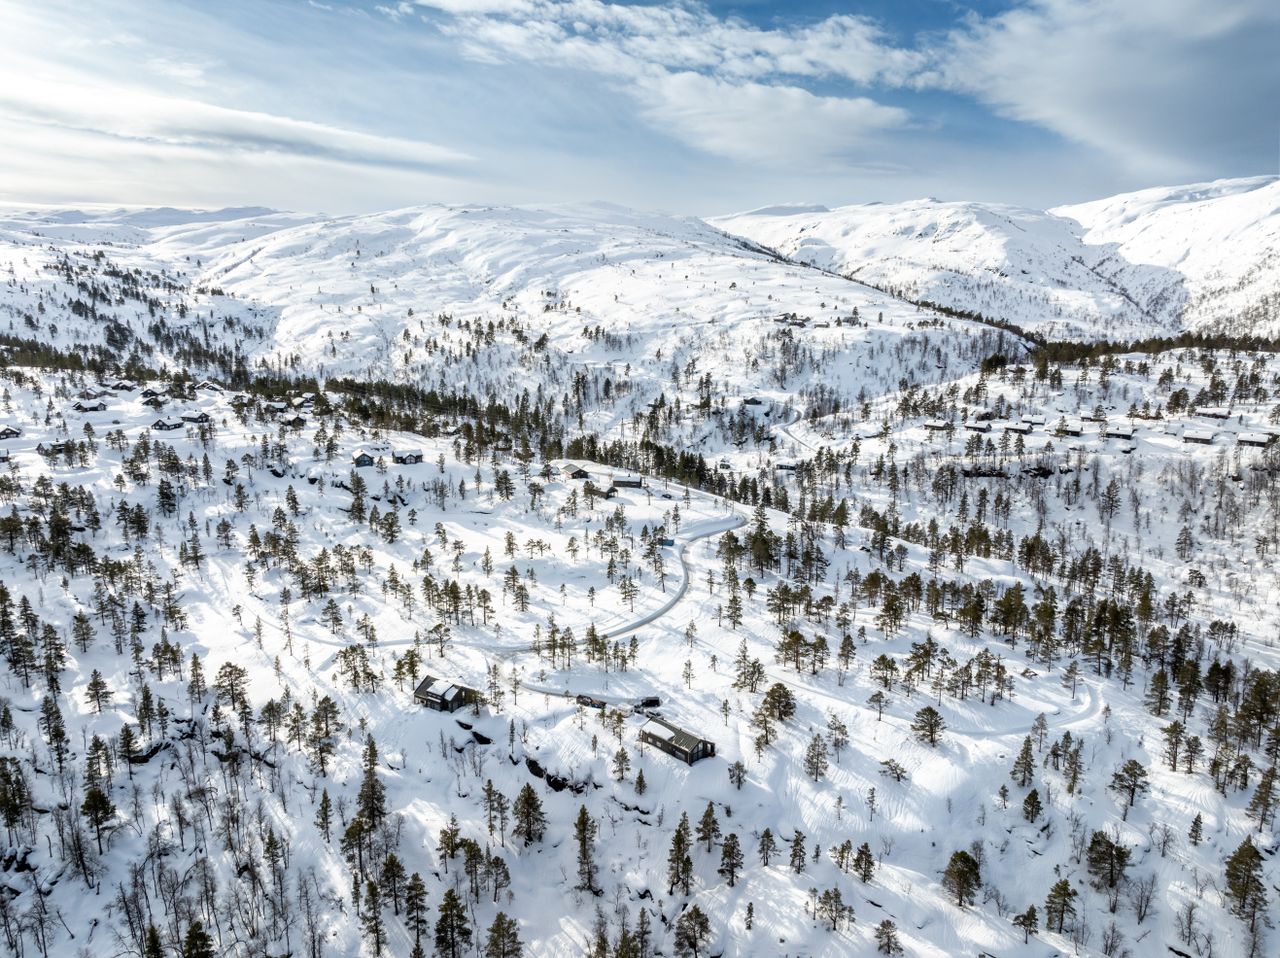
point(363, 458)
point(441, 695)
point(570, 469)
point(1075, 427)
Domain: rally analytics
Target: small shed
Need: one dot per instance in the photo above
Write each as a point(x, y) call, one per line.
point(362, 460)
point(407, 457)
point(611, 492)
point(443, 696)
point(167, 425)
point(683, 745)
point(1202, 437)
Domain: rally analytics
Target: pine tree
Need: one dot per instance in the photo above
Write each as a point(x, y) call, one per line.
point(98, 809)
point(767, 847)
point(152, 946)
point(692, 931)
point(815, 758)
point(1245, 886)
point(393, 882)
point(1107, 860)
point(731, 858)
point(584, 835)
point(1031, 807)
point(503, 939)
point(371, 800)
point(708, 829)
point(197, 943)
point(798, 854)
point(415, 907)
point(679, 861)
point(1129, 781)
point(1196, 833)
point(1024, 766)
point(962, 877)
point(453, 931)
point(1263, 804)
point(864, 863)
point(531, 822)
point(1058, 905)
point(97, 693)
point(324, 814)
point(1028, 922)
point(371, 918)
point(928, 725)
point(887, 938)
point(641, 785)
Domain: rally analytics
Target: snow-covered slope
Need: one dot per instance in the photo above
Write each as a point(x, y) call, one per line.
point(1222, 237)
point(1145, 263)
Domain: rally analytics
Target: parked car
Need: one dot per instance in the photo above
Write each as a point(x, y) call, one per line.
point(648, 702)
point(591, 703)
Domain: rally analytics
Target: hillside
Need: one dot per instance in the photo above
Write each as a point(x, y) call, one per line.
point(1149, 263)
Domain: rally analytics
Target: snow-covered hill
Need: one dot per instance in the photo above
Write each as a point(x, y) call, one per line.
point(1148, 263)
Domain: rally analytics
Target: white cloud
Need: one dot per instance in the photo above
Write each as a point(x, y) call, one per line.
point(762, 124)
point(718, 85)
point(1164, 86)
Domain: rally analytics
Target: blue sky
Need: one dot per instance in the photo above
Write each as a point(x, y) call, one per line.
point(690, 107)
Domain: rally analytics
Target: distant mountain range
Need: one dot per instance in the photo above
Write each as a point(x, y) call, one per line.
point(1154, 262)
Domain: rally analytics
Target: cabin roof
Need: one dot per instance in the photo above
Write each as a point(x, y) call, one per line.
point(658, 728)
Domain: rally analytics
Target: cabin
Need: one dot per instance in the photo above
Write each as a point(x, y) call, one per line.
point(676, 742)
point(785, 467)
point(155, 402)
point(1118, 432)
point(150, 393)
point(124, 385)
point(293, 422)
point(978, 426)
point(275, 408)
point(1022, 428)
point(1259, 440)
point(611, 492)
point(666, 542)
point(442, 696)
point(1214, 412)
point(239, 399)
point(1034, 420)
point(4, 455)
point(54, 448)
point(407, 457)
point(9, 432)
point(210, 385)
point(166, 425)
point(937, 425)
point(1070, 428)
point(92, 394)
point(199, 418)
point(725, 465)
point(95, 406)
point(362, 460)
point(629, 482)
point(574, 470)
point(1202, 437)
point(751, 401)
